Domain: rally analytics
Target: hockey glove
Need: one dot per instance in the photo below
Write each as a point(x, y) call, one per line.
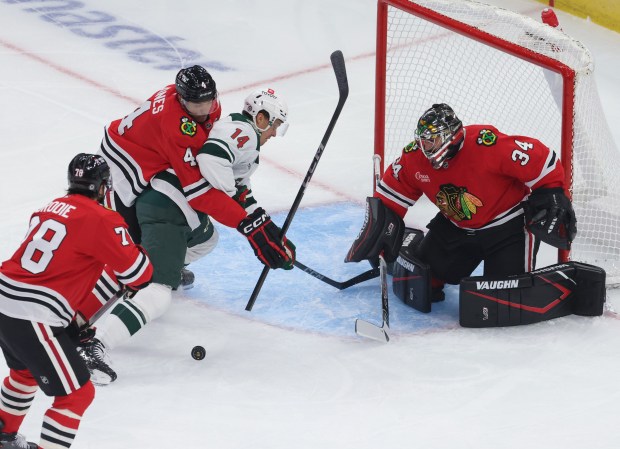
point(80, 332)
point(264, 237)
point(549, 215)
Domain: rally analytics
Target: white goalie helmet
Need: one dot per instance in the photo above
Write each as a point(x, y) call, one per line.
point(267, 100)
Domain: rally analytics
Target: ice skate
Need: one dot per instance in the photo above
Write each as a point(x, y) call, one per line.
point(98, 363)
point(14, 440)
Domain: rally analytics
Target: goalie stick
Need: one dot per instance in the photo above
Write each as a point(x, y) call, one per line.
point(364, 328)
point(370, 274)
point(369, 330)
point(343, 91)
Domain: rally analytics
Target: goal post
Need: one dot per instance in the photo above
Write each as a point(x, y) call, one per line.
point(498, 67)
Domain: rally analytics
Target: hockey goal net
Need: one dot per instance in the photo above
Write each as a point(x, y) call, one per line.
point(498, 67)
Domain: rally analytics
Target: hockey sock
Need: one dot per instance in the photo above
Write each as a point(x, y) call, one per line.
point(115, 331)
point(61, 421)
point(16, 395)
point(131, 315)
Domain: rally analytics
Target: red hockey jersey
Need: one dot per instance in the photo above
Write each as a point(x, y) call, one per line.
point(69, 241)
point(482, 186)
point(157, 136)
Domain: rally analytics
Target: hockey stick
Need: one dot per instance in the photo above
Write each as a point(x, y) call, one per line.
point(114, 299)
point(369, 330)
point(343, 91)
point(370, 274)
point(364, 328)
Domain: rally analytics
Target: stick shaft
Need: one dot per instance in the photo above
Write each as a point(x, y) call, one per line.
point(343, 89)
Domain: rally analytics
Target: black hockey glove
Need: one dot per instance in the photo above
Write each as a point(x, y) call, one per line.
point(264, 237)
point(80, 335)
point(549, 215)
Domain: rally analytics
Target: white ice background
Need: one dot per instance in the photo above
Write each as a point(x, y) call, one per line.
point(292, 373)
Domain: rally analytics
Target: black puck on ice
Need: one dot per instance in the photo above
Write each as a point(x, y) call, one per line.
point(198, 352)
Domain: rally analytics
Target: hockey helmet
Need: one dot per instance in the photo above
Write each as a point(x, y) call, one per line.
point(87, 172)
point(439, 134)
point(268, 101)
point(195, 84)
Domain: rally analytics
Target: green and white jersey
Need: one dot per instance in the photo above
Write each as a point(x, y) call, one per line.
point(231, 154)
point(225, 162)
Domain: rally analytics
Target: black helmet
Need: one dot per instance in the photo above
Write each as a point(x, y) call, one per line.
point(439, 134)
point(86, 174)
point(195, 84)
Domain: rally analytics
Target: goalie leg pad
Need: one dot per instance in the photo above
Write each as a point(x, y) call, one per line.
point(411, 278)
point(551, 292)
point(382, 231)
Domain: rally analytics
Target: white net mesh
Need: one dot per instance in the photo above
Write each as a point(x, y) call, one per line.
point(427, 63)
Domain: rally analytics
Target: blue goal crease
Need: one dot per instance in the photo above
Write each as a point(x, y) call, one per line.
point(293, 299)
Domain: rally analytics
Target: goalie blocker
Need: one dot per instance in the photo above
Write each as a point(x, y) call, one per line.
point(551, 292)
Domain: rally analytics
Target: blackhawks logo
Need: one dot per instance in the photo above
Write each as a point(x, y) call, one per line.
point(456, 202)
point(486, 138)
point(188, 127)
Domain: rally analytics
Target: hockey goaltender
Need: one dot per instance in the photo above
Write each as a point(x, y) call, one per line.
point(478, 178)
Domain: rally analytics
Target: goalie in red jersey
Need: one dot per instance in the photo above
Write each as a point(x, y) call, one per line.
point(45, 302)
point(497, 194)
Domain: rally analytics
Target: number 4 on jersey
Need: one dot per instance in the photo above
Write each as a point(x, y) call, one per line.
point(520, 156)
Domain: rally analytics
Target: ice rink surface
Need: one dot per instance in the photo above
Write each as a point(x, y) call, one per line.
point(292, 373)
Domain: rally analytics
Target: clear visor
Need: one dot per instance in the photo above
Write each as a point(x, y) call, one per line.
point(201, 108)
point(281, 127)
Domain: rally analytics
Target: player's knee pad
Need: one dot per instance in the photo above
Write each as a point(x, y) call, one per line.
point(77, 401)
point(382, 231)
point(202, 249)
point(551, 292)
point(411, 278)
point(153, 300)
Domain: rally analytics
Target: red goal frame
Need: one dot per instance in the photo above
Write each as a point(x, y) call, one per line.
point(567, 73)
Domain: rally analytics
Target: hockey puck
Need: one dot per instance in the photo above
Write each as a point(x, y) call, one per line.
point(198, 352)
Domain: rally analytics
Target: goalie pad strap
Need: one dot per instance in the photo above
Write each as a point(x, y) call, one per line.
point(551, 292)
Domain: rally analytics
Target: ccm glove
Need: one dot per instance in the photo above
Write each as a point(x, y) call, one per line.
point(549, 215)
point(264, 237)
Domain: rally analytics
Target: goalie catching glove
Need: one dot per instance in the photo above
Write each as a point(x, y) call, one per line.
point(264, 237)
point(549, 215)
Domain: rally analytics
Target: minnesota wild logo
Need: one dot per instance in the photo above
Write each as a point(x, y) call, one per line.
point(486, 137)
point(188, 127)
point(456, 202)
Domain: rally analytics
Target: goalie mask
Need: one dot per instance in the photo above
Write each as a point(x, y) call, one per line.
point(272, 104)
point(439, 134)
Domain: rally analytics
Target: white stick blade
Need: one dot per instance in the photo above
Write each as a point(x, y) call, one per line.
point(369, 330)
